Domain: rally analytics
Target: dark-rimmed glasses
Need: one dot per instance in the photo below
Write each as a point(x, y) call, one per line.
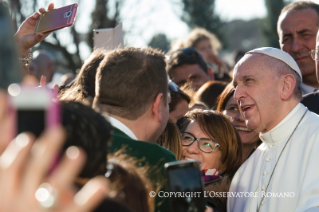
point(204, 144)
point(314, 54)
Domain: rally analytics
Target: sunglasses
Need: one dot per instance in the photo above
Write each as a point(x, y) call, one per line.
point(172, 87)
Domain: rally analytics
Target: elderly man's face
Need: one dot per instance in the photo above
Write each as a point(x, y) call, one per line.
point(297, 36)
point(257, 92)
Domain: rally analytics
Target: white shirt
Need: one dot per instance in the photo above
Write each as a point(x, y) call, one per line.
point(305, 89)
point(119, 125)
point(297, 172)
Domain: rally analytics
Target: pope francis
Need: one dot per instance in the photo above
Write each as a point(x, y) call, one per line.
point(283, 173)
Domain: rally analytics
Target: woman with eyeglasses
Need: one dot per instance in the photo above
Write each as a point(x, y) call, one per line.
point(228, 106)
point(211, 139)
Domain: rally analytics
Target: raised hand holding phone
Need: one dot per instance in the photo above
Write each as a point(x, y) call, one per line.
point(25, 36)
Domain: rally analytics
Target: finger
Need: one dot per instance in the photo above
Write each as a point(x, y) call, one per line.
point(91, 195)
point(35, 16)
point(12, 162)
point(56, 89)
point(68, 169)
point(209, 210)
point(43, 81)
point(45, 150)
point(51, 6)
point(42, 10)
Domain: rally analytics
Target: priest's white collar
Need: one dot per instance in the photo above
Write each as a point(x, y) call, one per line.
point(119, 125)
point(284, 128)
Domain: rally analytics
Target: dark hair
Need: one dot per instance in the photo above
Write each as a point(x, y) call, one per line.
point(90, 131)
point(224, 97)
point(300, 5)
point(177, 97)
point(171, 139)
point(128, 81)
point(187, 56)
point(209, 93)
point(84, 85)
point(217, 126)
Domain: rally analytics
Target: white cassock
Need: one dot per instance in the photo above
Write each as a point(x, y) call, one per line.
point(295, 181)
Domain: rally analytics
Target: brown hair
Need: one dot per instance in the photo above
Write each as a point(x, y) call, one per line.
point(171, 139)
point(84, 85)
point(209, 93)
point(177, 97)
point(224, 97)
point(129, 183)
point(219, 128)
point(128, 81)
point(199, 34)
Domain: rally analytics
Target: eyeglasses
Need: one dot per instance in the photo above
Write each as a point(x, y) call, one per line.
point(172, 87)
point(314, 54)
point(204, 144)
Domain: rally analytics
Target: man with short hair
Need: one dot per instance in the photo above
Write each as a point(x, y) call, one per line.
point(132, 88)
point(187, 65)
point(297, 27)
point(282, 174)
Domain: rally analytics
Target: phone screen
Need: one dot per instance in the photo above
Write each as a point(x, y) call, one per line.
point(186, 181)
point(31, 121)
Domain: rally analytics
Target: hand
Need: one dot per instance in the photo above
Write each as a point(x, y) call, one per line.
point(25, 36)
point(43, 83)
point(23, 168)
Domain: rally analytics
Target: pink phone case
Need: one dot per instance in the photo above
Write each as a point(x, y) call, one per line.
point(56, 19)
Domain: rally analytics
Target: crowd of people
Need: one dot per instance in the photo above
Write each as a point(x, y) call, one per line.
point(129, 111)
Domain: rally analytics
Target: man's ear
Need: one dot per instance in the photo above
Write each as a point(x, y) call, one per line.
point(210, 73)
point(288, 86)
point(157, 104)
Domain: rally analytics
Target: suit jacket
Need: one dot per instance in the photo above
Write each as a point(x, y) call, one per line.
point(311, 101)
point(152, 155)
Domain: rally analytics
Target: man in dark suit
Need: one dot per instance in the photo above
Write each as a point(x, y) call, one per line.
point(311, 100)
point(132, 88)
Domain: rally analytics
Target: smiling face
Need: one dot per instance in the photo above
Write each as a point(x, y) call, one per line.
point(207, 160)
point(297, 36)
point(258, 92)
point(232, 111)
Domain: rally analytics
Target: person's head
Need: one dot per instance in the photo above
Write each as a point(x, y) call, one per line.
point(132, 84)
point(178, 105)
point(211, 139)
point(229, 107)
point(267, 83)
point(84, 85)
point(171, 139)
point(187, 65)
point(206, 43)
point(129, 183)
point(44, 61)
point(89, 130)
point(209, 92)
point(67, 78)
point(297, 27)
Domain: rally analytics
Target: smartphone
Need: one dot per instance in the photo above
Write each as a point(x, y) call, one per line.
point(186, 186)
point(56, 19)
point(10, 71)
point(33, 108)
point(109, 38)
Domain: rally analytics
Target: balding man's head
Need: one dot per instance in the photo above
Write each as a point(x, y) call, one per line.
point(44, 61)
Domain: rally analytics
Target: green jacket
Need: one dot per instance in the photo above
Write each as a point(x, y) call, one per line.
point(152, 155)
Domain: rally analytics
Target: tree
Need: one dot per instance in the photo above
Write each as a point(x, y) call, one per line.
point(201, 13)
point(270, 22)
point(160, 41)
point(100, 18)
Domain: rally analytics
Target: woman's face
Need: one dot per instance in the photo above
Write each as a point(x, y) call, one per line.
point(205, 49)
point(247, 136)
point(210, 160)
